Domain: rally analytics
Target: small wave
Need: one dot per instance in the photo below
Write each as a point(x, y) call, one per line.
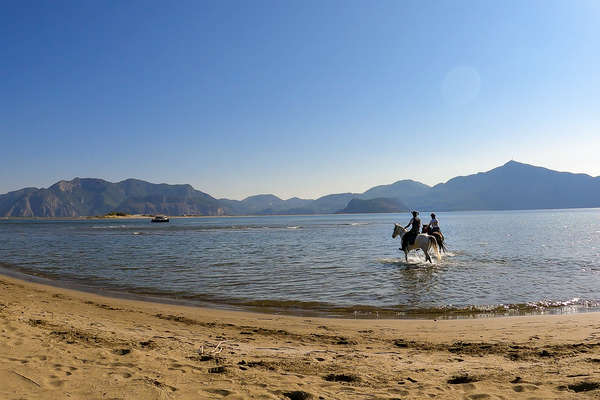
point(224, 264)
point(576, 301)
point(359, 223)
point(137, 233)
point(108, 226)
point(388, 260)
point(239, 228)
point(293, 227)
point(412, 261)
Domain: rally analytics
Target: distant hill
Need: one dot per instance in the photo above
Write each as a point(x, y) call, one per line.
point(407, 190)
point(264, 204)
point(268, 204)
point(511, 186)
point(379, 205)
point(82, 197)
point(514, 186)
point(332, 202)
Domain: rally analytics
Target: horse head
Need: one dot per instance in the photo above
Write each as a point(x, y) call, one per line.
point(398, 230)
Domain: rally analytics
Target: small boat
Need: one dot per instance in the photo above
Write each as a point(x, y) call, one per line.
point(160, 218)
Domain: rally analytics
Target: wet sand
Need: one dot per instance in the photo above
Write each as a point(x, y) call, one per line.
point(62, 344)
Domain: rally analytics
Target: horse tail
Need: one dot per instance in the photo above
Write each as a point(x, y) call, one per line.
point(433, 243)
point(441, 244)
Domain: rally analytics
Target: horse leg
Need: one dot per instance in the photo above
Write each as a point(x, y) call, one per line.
point(427, 258)
point(406, 255)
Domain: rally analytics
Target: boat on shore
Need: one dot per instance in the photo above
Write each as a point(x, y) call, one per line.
point(160, 218)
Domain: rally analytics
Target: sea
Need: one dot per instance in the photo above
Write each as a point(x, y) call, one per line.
point(498, 262)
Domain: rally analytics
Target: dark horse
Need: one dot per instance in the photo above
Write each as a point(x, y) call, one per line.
point(439, 237)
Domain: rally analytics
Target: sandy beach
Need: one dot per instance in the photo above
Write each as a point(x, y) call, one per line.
point(63, 344)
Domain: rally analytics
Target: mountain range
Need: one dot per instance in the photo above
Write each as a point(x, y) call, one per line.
point(511, 186)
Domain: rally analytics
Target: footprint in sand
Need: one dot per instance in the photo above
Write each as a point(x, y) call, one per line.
point(298, 395)
point(121, 364)
point(158, 384)
point(178, 367)
point(467, 387)
point(524, 388)
point(122, 352)
point(584, 386)
point(53, 381)
point(121, 375)
point(220, 392)
point(57, 383)
point(69, 370)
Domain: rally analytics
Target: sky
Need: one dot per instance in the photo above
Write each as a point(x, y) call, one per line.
point(295, 98)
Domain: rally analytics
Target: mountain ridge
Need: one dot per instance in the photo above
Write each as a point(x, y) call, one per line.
point(376, 205)
point(511, 186)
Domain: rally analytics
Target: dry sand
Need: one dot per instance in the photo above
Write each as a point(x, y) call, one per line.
point(63, 344)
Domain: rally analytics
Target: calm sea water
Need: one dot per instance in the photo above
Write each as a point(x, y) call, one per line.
point(498, 262)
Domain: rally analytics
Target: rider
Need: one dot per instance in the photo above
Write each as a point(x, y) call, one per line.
point(410, 236)
point(434, 224)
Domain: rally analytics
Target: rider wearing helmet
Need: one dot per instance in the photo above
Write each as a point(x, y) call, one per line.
point(434, 225)
point(410, 236)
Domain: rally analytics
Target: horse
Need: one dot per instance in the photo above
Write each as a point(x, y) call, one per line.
point(422, 241)
point(439, 237)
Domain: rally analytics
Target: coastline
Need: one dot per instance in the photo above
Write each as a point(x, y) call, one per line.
point(61, 343)
point(291, 308)
point(142, 216)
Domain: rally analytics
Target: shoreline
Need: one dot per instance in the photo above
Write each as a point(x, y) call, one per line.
point(142, 216)
point(58, 343)
point(286, 308)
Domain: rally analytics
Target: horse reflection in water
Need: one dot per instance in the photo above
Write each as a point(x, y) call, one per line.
point(422, 241)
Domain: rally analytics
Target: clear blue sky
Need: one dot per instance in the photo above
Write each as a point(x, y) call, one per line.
point(295, 98)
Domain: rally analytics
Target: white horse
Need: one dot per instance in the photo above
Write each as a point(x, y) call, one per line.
point(423, 242)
